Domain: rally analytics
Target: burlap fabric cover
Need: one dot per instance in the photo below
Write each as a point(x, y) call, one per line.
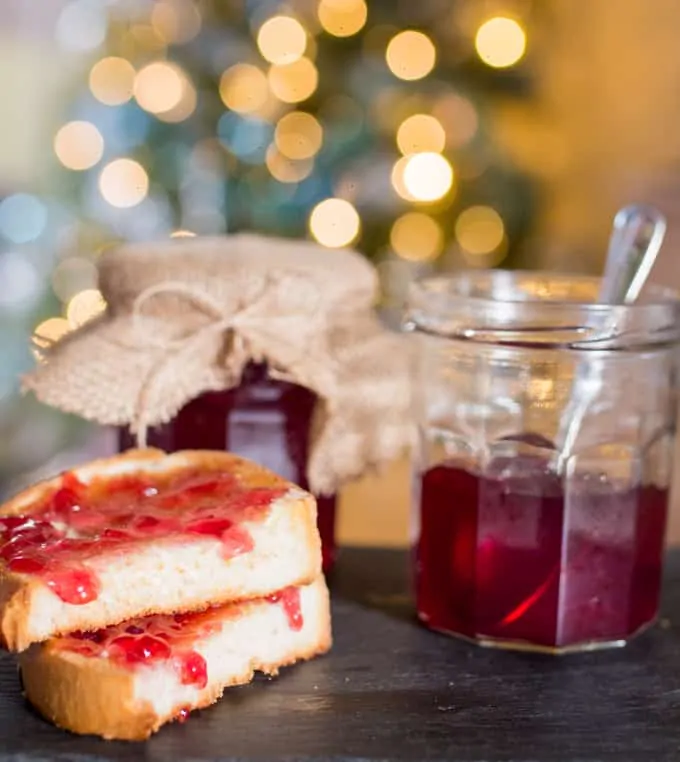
point(184, 316)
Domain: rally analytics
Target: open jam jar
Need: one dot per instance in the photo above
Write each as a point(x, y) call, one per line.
point(266, 420)
point(517, 543)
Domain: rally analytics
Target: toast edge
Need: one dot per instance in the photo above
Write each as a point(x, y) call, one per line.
point(95, 697)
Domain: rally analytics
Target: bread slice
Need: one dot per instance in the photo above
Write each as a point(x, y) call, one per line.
point(90, 687)
point(144, 533)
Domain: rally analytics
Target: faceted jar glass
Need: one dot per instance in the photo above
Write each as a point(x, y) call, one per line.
point(264, 419)
point(521, 542)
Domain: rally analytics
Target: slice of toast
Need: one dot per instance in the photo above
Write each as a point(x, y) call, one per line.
point(144, 533)
point(126, 681)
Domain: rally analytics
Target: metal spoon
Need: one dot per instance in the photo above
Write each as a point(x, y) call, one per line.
point(634, 244)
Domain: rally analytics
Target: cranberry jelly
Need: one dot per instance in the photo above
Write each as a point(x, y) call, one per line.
point(78, 522)
point(263, 419)
point(514, 557)
point(169, 638)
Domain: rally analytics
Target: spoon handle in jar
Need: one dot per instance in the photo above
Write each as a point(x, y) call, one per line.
point(636, 239)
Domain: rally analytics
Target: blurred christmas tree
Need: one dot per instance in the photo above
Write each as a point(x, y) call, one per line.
point(356, 125)
point(318, 118)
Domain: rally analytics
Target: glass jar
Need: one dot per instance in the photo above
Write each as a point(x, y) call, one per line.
point(522, 541)
point(264, 419)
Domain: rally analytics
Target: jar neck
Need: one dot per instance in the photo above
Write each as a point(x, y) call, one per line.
point(531, 310)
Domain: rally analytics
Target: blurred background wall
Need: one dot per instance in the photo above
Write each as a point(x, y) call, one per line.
point(436, 134)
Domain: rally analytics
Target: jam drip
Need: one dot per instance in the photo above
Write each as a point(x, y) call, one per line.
point(79, 521)
point(289, 598)
point(163, 638)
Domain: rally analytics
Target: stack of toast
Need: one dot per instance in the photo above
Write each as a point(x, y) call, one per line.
point(136, 589)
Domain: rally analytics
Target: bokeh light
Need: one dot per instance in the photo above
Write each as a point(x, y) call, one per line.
point(246, 137)
point(411, 55)
point(112, 80)
point(500, 42)
point(124, 183)
point(419, 133)
point(159, 87)
point(81, 25)
point(23, 218)
point(397, 179)
point(298, 135)
point(479, 230)
point(182, 234)
point(334, 223)
point(184, 108)
point(294, 82)
point(176, 21)
point(84, 306)
point(49, 331)
point(417, 237)
point(26, 282)
point(282, 40)
point(79, 145)
point(244, 88)
point(287, 170)
point(342, 18)
point(427, 176)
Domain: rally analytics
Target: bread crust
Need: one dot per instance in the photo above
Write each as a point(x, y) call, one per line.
point(92, 696)
point(20, 594)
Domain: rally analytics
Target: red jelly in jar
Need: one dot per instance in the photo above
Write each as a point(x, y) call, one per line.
point(500, 559)
point(533, 533)
point(264, 419)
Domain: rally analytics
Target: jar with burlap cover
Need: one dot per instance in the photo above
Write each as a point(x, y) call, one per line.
point(185, 316)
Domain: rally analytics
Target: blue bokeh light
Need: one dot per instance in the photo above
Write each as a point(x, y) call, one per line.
point(246, 137)
point(22, 218)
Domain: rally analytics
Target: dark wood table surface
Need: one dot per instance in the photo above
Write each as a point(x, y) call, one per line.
point(391, 690)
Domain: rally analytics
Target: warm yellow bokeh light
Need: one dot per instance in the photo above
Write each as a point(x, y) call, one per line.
point(287, 170)
point(298, 135)
point(175, 21)
point(112, 81)
point(243, 88)
point(159, 87)
point(334, 223)
point(184, 109)
point(294, 82)
point(411, 55)
point(84, 306)
point(427, 176)
point(500, 42)
point(417, 237)
point(342, 18)
point(419, 133)
point(124, 183)
point(182, 234)
point(79, 145)
point(397, 179)
point(49, 331)
point(282, 40)
point(479, 230)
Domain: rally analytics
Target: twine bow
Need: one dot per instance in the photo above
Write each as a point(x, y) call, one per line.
point(239, 322)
